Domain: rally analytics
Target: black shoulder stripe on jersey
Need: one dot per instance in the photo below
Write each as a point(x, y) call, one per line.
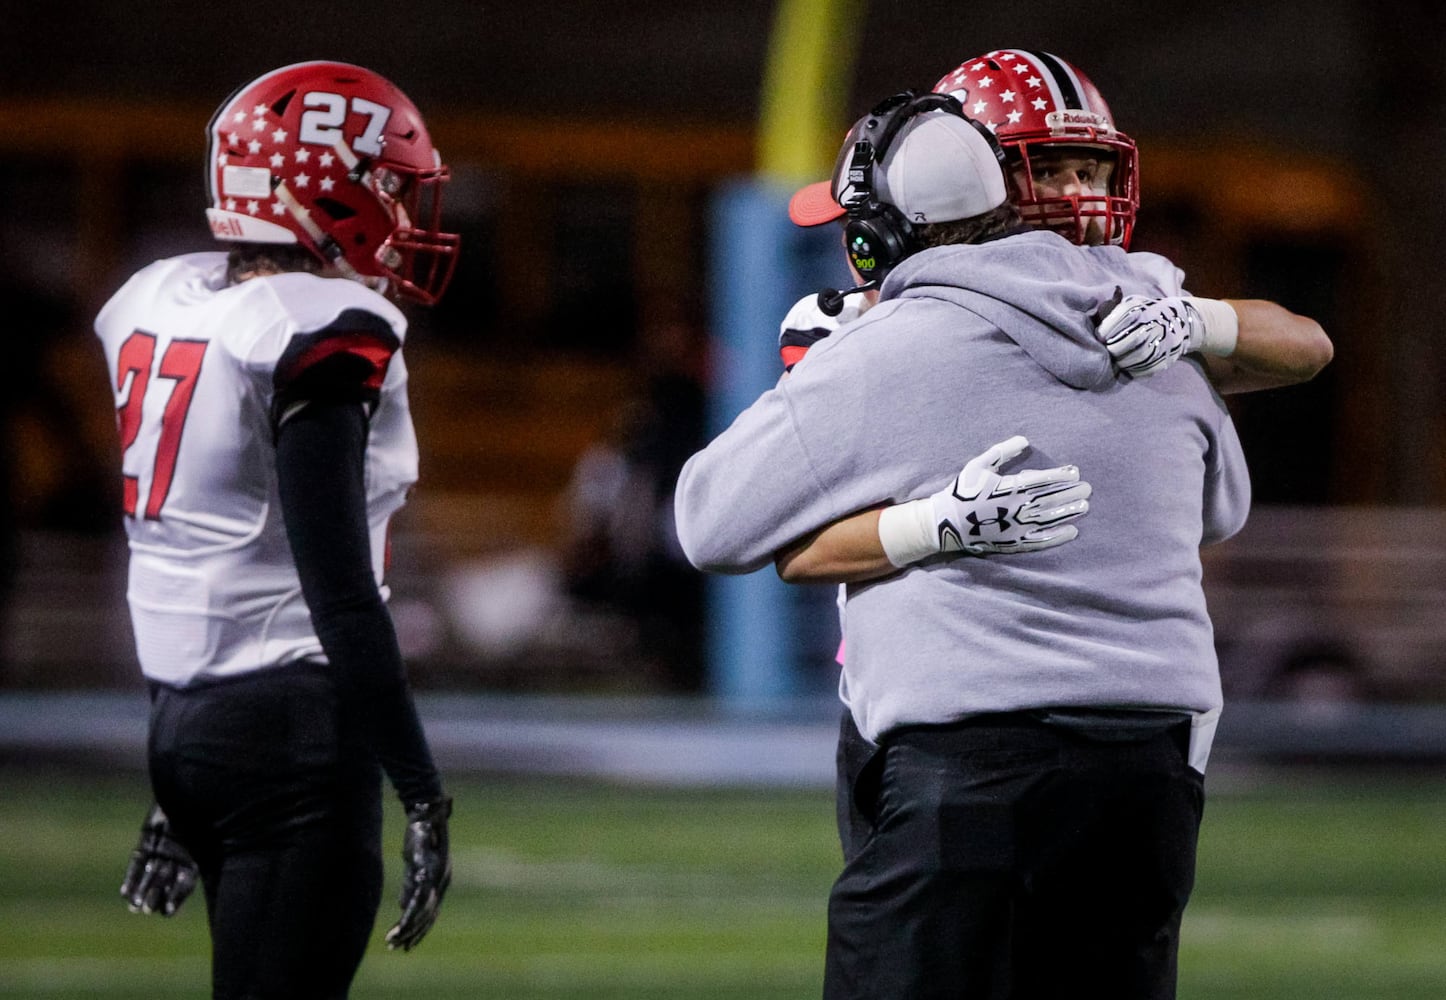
point(1062, 78)
point(350, 321)
point(344, 361)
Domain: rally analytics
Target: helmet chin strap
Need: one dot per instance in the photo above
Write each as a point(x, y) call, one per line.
point(337, 261)
point(322, 241)
point(348, 158)
point(382, 286)
point(358, 171)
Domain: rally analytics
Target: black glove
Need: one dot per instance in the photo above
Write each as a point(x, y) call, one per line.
point(161, 873)
point(426, 873)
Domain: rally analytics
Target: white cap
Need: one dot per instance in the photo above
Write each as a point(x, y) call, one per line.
point(938, 168)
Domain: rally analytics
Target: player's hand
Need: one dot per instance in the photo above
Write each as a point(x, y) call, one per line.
point(161, 873)
point(1145, 335)
point(806, 324)
point(983, 512)
point(426, 873)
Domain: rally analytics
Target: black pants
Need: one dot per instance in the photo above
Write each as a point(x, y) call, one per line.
point(281, 809)
point(1010, 858)
point(857, 763)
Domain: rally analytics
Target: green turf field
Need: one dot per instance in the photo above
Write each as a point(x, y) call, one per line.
point(1307, 889)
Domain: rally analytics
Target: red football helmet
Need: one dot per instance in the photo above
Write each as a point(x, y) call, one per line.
point(335, 158)
point(1033, 100)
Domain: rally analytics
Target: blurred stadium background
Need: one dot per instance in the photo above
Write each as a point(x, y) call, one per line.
point(646, 758)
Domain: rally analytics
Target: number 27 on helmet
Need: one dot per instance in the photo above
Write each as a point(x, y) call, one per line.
point(336, 159)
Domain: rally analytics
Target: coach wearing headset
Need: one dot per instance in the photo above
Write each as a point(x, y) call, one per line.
point(1033, 826)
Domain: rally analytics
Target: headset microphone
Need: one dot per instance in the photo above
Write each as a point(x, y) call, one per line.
point(830, 300)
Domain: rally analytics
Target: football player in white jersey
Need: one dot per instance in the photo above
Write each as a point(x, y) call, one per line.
point(266, 440)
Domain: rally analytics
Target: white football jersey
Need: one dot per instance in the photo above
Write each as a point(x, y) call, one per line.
point(199, 370)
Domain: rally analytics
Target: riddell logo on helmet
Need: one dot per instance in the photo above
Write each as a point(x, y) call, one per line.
point(225, 227)
point(1066, 120)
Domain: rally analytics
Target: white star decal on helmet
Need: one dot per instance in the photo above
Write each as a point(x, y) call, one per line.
point(327, 183)
point(277, 160)
point(253, 207)
point(979, 107)
point(277, 208)
point(302, 180)
point(1007, 96)
point(258, 124)
point(1040, 104)
point(986, 81)
point(279, 135)
point(302, 155)
point(253, 146)
point(239, 117)
point(1034, 82)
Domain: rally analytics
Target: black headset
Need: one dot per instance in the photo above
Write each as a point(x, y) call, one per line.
point(877, 237)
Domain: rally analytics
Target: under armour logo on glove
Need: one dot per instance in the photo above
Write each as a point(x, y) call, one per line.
point(1041, 503)
point(1000, 520)
point(1025, 512)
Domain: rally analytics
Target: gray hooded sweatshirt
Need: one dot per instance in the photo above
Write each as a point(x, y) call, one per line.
point(968, 346)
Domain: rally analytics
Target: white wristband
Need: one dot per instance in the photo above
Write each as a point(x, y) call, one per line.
point(907, 532)
point(1222, 326)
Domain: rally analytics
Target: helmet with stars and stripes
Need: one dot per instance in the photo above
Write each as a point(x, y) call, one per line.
point(336, 159)
point(1042, 108)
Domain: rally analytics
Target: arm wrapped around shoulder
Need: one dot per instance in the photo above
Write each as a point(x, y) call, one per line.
point(983, 513)
point(1145, 336)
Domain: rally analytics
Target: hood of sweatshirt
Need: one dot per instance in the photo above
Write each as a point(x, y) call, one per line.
point(1044, 292)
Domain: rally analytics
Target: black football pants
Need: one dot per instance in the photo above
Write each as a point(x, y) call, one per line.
point(282, 813)
point(1006, 858)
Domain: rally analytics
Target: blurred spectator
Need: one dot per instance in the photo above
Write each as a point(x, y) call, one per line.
point(623, 550)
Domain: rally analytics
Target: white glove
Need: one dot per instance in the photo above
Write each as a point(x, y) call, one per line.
point(1145, 335)
point(806, 324)
point(982, 512)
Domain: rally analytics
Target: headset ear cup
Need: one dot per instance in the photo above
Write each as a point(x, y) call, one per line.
point(876, 242)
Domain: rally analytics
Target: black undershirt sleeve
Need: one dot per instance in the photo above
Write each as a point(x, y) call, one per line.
point(320, 469)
